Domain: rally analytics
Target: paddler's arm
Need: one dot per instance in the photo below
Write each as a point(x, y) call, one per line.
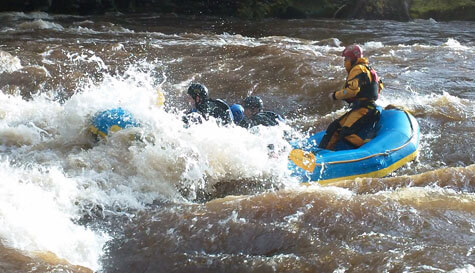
point(352, 86)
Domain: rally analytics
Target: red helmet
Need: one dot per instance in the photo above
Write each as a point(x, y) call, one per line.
point(353, 52)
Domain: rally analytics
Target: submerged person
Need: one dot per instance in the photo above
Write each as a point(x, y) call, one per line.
point(254, 114)
point(205, 107)
point(361, 90)
point(238, 113)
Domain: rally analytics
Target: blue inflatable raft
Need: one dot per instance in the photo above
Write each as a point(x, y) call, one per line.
point(111, 120)
point(395, 143)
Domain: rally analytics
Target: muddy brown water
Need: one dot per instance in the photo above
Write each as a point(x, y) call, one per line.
point(209, 199)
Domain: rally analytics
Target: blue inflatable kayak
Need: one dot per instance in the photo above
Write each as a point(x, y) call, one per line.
point(111, 120)
point(395, 143)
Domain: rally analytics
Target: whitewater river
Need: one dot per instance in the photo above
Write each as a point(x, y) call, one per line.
point(209, 198)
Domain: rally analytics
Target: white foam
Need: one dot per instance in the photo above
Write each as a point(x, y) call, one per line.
point(373, 45)
point(87, 57)
point(65, 179)
point(200, 153)
point(467, 268)
point(36, 212)
point(83, 30)
point(443, 104)
point(454, 44)
point(40, 24)
point(19, 135)
point(8, 62)
point(113, 28)
point(31, 15)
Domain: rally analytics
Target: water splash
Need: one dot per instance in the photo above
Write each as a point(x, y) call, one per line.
point(40, 24)
point(37, 212)
point(9, 63)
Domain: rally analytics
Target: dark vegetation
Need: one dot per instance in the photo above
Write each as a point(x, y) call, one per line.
point(402, 10)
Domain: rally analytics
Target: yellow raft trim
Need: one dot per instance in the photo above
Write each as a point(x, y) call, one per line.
point(380, 173)
point(307, 160)
point(93, 129)
point(115, 128)
point(96, 131)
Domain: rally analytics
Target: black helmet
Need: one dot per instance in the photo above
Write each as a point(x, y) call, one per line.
point(197, 89)
point(253, 102)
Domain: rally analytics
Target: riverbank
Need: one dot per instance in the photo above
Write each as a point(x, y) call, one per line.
point(399, 10)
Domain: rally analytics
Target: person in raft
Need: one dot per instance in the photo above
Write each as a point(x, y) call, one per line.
point(254, 114)
point(204, 107)
point(361, 90)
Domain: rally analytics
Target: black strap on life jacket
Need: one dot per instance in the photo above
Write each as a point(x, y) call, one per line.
point(369, 89)
point(216, 108)
point(265, 118)
point(221, 111)
point(273, 116)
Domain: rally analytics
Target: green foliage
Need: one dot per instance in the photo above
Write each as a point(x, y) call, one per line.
point(320, 8)
point(443, 9)
point(256, 9)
